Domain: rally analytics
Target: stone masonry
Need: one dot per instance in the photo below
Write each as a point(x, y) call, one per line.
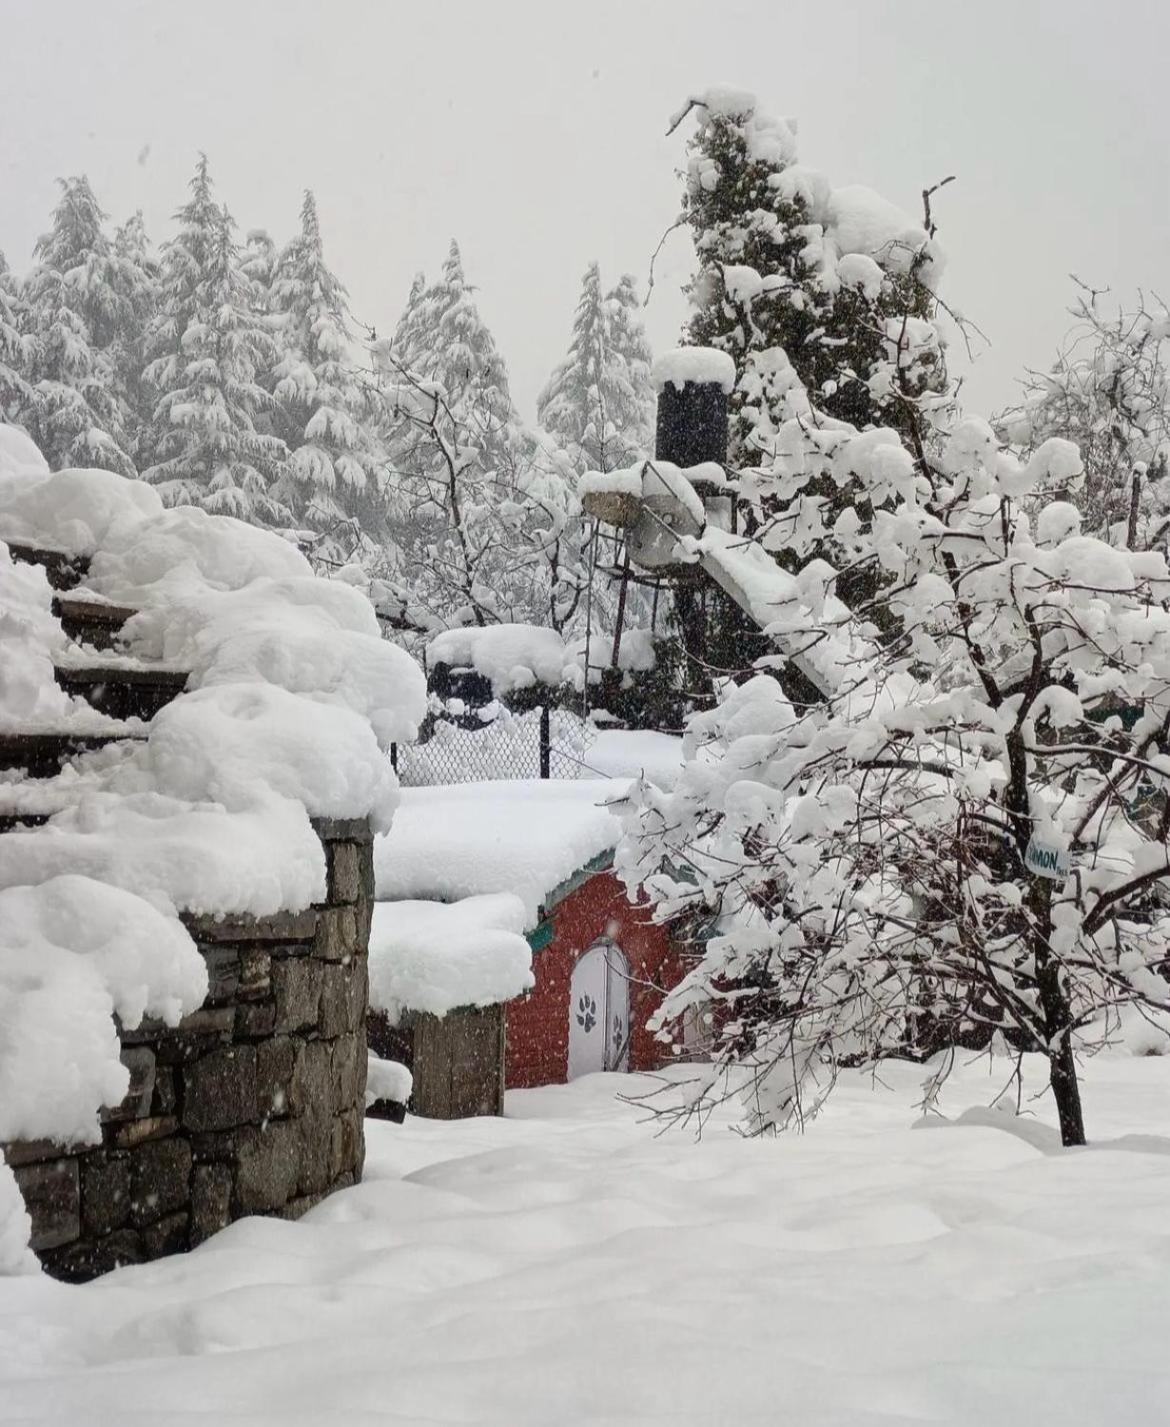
point(252, 1105)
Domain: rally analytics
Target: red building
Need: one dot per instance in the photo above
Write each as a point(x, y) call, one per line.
point(600, 965)
point(601, 968)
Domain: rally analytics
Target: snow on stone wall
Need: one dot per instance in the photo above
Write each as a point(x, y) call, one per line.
point(292, 699)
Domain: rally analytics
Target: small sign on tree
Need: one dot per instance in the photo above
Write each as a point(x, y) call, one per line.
point(1046, 859)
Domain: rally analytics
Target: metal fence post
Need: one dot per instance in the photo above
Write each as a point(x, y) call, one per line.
point(545, 741)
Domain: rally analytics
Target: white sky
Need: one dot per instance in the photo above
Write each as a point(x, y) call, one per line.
point(534, 132)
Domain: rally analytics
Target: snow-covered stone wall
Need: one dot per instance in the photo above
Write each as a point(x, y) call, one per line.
point(193, 759)
point(252, 1104)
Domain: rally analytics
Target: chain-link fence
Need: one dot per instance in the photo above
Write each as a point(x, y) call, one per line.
point(544, 743)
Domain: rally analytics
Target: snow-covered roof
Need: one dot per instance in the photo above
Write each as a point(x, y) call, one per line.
point(437, 956)
point(527, 837)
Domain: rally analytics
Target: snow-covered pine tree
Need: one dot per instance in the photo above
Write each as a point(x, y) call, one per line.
point(15, 393)
point(572, 407)
point(800, 281)
point(787, 262)
point(598, 403)
point(447, 340)
point(258, 262)
point(136, 276)
point(332, 475)
point(477, 506)
point(207, 346)
point(75, 308)
point(630, 395)
point(408, 324)
point(598, 407)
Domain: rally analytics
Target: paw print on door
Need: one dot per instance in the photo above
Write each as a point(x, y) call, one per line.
point(587, 1013)
point(619, 1038)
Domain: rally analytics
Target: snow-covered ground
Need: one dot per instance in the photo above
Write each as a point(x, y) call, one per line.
point(565, 1266)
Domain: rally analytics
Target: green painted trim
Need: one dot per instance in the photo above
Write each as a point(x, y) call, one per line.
point(539, 937)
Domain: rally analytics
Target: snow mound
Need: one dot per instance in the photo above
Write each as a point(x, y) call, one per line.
point(15, 1228)
point(77, 953)
point(184, 551)
point(358, 672)
point(76, 511)
point(465, 839)
point(20, 459)
point(253, 861)
point(230, 743)
point(862, 221)
point(31, 640)
point(29, 695)
point(385, 1080)
point(510, 656)
point(436, 956)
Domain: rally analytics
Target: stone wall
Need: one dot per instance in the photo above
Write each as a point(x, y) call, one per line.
point(252, 1105)
point(456, 1060)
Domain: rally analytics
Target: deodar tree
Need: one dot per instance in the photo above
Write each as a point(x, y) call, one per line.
point(478, 506)
point(15, 392)
point(74, 309)
point(861, 860)
point(331, 479)
point(208, 346)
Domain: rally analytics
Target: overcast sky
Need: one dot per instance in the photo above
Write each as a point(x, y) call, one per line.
point(534, 132)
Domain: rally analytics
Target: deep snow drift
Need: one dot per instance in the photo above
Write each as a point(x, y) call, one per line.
point(566, 1266)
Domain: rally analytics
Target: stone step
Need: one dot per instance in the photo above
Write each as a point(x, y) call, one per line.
point(123, 691)
point(89, 621)
point(43, 755)
point(64, 571)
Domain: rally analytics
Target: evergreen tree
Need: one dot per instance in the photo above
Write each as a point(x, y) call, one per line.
point(332, 472)
point(785, 262)
point(408, 324)
point(259, 262)
point(207, 346)
point(137, 278)
point(15, 393)
point(598, 402)
point(799, 283)
point(572, 405)
point(75, 310)
point(478, 508)
point(630, 402)
point(444, 339)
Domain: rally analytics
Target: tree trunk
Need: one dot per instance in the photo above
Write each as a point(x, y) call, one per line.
point(1066, 1091)
point(1062, 1066)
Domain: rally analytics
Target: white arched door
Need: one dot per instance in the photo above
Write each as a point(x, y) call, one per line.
point(599, 1010)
